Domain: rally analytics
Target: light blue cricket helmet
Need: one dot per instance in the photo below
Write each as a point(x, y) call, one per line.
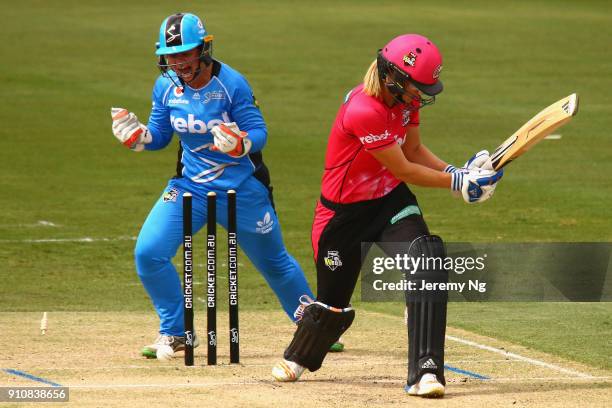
point(181, 32)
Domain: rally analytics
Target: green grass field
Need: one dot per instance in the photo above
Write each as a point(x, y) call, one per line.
point(65, 63)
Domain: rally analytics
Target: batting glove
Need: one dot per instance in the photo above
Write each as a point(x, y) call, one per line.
point(476, 185)
point(477, 161)
point(129, 130)
point(229, 139)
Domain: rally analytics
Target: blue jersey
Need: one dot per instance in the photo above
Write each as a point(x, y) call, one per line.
point(191, 113)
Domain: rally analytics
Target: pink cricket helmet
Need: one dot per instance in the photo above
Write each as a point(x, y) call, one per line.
point(417, 58)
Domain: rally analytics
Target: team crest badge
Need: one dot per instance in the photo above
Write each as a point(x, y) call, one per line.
point(410, 59)
point(332, 260)
point(405, 117)
point(170, 195)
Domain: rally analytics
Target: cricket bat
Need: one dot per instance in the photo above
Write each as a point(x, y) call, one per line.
point(536, 129)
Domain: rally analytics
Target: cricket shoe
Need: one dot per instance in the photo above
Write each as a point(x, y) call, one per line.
point(337, 347)
point(427, 387)
point(176, 342)
point(287, 371)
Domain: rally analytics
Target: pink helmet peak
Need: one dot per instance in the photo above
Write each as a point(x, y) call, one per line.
point(417, 57)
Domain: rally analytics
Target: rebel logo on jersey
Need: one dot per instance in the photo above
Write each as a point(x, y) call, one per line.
point(193, 125)
point(375, 138)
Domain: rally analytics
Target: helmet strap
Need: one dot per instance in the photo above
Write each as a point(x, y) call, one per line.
point(206, 51)
point(384, 68)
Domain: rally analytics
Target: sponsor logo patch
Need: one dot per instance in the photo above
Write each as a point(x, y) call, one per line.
point(332, 260)
point(178, 92)
point(170, 195)
point(430, 364)
point(212, 338)
point(177, 101)
point(406, 212)
point(264, 226)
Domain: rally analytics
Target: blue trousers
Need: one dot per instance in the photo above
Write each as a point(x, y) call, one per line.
point(259, 236)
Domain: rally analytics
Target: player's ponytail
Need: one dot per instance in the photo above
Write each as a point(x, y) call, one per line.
point(371, 82)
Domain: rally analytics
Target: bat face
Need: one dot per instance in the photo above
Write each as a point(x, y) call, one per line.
point(536, 129)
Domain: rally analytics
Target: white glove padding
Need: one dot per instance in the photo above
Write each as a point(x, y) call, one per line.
point(477, 161)
point(129, 130)
point(476, 185)
point(230, 140)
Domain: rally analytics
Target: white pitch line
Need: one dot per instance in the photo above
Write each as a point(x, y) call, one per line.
point(519, 357)
point(553, 137)
point(63, 240)
point(515, 356)
point(522, 379)
point(41, 223)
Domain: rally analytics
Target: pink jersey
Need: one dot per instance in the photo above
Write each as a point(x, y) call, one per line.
point(363, 124)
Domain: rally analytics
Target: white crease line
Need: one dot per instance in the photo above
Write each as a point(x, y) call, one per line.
point(166, 385)
point(249, 383)
point(62, 240)
point(519, 357)
point(154, 366)
point(553, 137)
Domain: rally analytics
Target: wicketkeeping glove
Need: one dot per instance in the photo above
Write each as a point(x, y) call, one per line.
point(129, 130)
point(230, 140)
point(475, 185)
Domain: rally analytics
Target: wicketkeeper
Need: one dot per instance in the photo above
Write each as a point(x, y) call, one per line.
point(211, 108)
point(374, 150)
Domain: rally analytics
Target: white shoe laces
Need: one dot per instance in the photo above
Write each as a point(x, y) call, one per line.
point(305, 300)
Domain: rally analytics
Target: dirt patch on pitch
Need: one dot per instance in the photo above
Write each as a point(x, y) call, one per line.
point(96, 355)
